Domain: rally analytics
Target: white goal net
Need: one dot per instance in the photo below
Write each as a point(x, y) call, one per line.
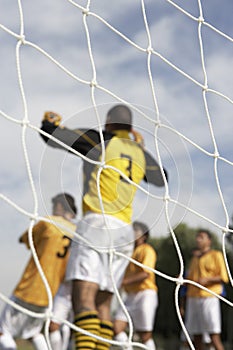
point(170, 62)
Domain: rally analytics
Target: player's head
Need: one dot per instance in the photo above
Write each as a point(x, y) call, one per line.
point(119, 117)
point(141, 231)
point(64, 203)
point(203, 239)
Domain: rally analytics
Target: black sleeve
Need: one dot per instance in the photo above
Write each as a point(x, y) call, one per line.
point(81, 140)
point(153, 174)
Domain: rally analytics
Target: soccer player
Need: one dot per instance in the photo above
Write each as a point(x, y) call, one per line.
point(203, 309)
point(88, 268)
point(52, 247)
point(62, 309)
point(140, 285)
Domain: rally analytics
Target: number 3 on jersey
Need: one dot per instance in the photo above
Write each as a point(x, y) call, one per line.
point(128, 169)
point(66, 247)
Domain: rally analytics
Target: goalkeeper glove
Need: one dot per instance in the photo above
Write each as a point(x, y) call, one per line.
point(53, 118)
point(138, 138)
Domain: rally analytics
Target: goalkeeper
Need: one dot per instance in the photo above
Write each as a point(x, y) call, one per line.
point(52, 247)
point(88, 269)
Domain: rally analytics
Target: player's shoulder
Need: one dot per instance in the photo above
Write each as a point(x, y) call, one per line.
point(93, 134)
point(145, 247)
point(217, 253)
point(150, 248)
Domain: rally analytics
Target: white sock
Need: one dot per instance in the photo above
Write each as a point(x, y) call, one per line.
point(39, 342)
point(122, 337)
point(150, 344)
point(56, 340)
point(7, 342)
point(65, 331)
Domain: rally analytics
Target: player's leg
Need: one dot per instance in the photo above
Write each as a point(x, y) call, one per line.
point(66, 339)
point(147, 339)
point(55, 336)
point(7, 342)
point(7, 326)
point(62, 306)
point(39, 342)
point(198, 341)
point(59, 336)
point(194, 322)
point(86, 315)
point(216, 341)
point(103, 304)
point(144, 312)
point(120, 333)
point(121, 323)
point(212, 314)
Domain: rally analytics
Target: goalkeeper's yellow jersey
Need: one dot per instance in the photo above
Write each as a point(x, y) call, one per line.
point(116, 192)
point(210, 264)
point(120, 152)
point(146, 255)
point(52, 246)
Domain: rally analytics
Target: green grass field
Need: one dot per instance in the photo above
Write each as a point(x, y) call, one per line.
point(24, 345)
point(170, 344)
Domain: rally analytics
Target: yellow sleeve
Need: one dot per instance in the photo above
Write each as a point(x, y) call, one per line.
point(223, 270)
point(149, 257)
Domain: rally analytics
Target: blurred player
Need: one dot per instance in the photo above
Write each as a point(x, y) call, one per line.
point(139, 283)
point(62, 309)
point(183, 291)
point(52, 247)
point(203, 309)
point(88, 269)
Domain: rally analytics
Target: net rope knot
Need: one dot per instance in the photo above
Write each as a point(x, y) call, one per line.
point(25, 122)
point(166, 198)
point(158, 123)
point(180, 281)
point(22, 39)
point(93, 83)
point(201, 19)
point(85, 11)
point(226, 230)
point(48, 314)
point(149, 49)
point(205, 88)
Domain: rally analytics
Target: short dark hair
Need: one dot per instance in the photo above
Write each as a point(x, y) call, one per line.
point(207, 232)
point(67, 201)
point(137, 225)
point(121, 117)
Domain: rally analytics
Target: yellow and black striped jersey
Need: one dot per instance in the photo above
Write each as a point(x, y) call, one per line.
point(125, 165)
point(52, 247)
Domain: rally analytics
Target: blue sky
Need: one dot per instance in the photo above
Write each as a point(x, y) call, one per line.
point(57, 27)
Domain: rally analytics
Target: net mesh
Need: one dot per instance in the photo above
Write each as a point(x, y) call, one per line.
point(196, 126)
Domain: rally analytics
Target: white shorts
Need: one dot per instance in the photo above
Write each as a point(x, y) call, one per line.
point(62, 304)
point(88, 264)
point(19, 324)
point(141, 307)
point(203, 315)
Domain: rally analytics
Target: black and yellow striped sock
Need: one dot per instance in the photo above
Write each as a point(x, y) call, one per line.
point(106, 331)
point(89, 321)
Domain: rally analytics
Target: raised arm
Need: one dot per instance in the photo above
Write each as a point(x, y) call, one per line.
point(153, 173)
point(81, 140)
